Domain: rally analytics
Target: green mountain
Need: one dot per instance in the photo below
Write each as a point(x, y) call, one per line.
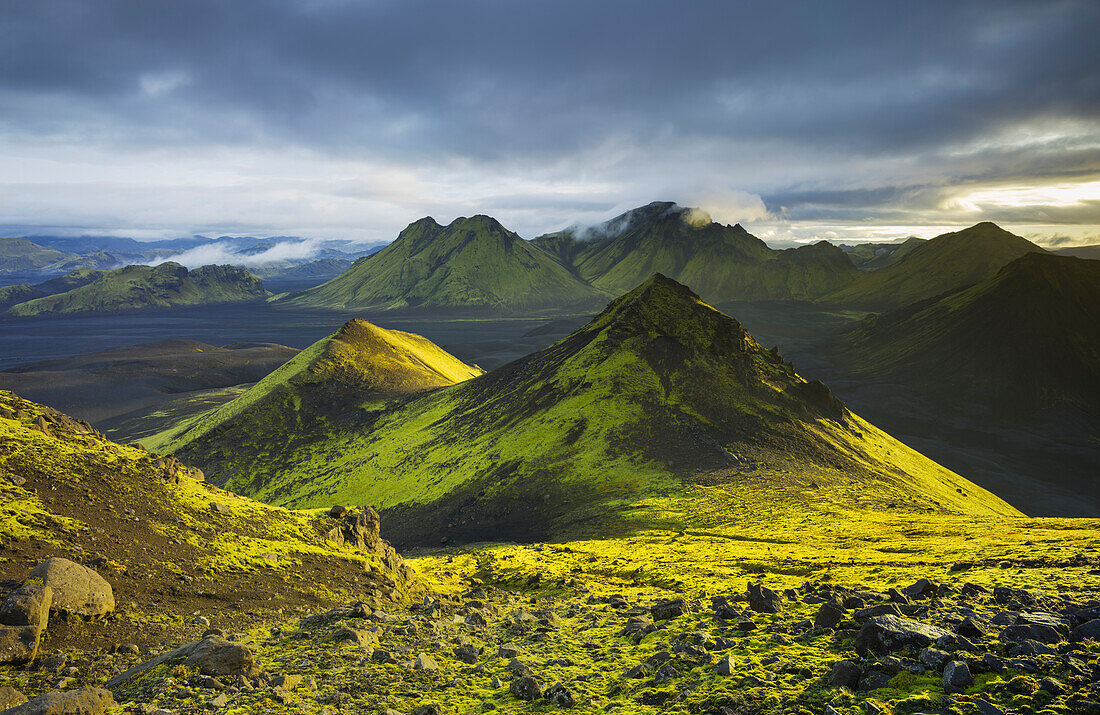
point(999, 381)
point(722, 263)
point(18, 256)
point(659, 410)
point(472, 263)
point(361, 364)
point(1026, 339)
point(933, 268)
point(872, 256)
point(140, 288)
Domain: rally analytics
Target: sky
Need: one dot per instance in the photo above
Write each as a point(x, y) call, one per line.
point(352, 118)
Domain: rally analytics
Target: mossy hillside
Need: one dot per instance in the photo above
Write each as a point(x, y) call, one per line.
point(360, 363)
point(1024, 340)
point(660, 409)
point(148, 525)
point(18, 256)
point(146, 287)
point(472, 263)
point(933, 268)
point(721, 263)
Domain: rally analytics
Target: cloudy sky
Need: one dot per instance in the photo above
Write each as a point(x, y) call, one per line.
point(350, 119)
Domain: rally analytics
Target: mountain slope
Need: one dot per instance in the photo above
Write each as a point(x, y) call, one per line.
point(472, 263)
point(18, 257)
point(721, 263)
point(360, 364)
point(999, 381)
point(659, 410)
point(942, 265)
point(1026, 339)
point(144, 287)
point(149, 526)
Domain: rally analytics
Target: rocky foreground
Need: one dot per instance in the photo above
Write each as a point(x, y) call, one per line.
point(819, 648)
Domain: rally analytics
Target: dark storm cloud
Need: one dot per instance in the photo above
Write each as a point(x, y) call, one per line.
point(487, 78)
point(690, 92)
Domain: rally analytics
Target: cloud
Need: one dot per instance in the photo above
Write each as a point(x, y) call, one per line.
point(225, 252)
point(353, 119)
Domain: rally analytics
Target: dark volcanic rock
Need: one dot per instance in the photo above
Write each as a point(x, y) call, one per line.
point(764, 600)
point(1091, 629)
point(667, 610)
point(526, 688)
point(829, 615)
point(1030, 632)
point(883, 634)
point(845, 674)
point(956, 677)
point(560, 696)
point(973, 627)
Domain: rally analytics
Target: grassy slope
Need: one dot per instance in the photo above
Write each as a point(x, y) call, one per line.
point(360, 363)
point(471, 263)
point(18, 255)
point(719, 262)
point(942, 265)
point(150, 529)
point(218, 568)
point(621, 424)
point(1025, 339)
point(142, 287)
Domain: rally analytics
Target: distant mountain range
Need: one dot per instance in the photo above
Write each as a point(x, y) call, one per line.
point(39, 258)
point(477, 265)
point(658, 396)
point(133, 288)
point(1014, 358)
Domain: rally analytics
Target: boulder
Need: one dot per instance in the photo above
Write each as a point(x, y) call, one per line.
point(559, 695)
point(883, 609)
point(18, 644)
point(219, 508)
point(1040, 618)
point(923, 588)
point(667, 610)
point(86, 701)
point(956, 677)
point(845, 674)
point(424, 662)
point(934, 658)
point(76, 589)
point(1090, 629)
point(764, 600)
point(526, 688)
point(829, 615)
point(974, 628)
point(212, 656)
point(883, 634)
point(10, 697)
point(1031, 632)
point(28, 605)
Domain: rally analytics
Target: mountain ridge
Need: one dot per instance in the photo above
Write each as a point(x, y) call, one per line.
point(659, 394)
point(471, 263)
